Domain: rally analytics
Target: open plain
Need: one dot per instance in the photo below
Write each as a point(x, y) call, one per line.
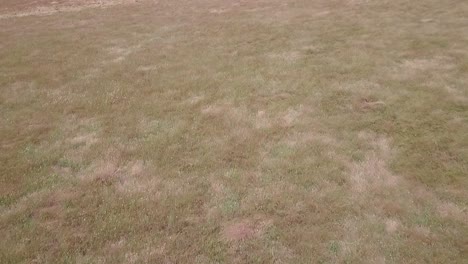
point(216, 131)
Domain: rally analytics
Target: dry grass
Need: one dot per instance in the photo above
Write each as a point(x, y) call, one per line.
point(233, 131)
point(22, 8)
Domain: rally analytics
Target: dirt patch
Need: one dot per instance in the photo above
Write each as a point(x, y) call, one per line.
point(137, 168)
point(372, 172)
point(244, 229)
point(262, 120)
point(450, 210)
point(290, 117)
point(239, 231)
point(294, 115)
point(391, 225)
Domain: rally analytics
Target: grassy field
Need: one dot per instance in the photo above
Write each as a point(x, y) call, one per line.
point(215, 131)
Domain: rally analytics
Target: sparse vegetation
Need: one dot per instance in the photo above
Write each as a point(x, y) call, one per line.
point(234, 131)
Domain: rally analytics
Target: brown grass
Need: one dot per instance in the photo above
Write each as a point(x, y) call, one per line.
point(22, 8)
point(233, 131)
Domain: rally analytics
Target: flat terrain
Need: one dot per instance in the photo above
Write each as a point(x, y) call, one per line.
point(215, 131)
